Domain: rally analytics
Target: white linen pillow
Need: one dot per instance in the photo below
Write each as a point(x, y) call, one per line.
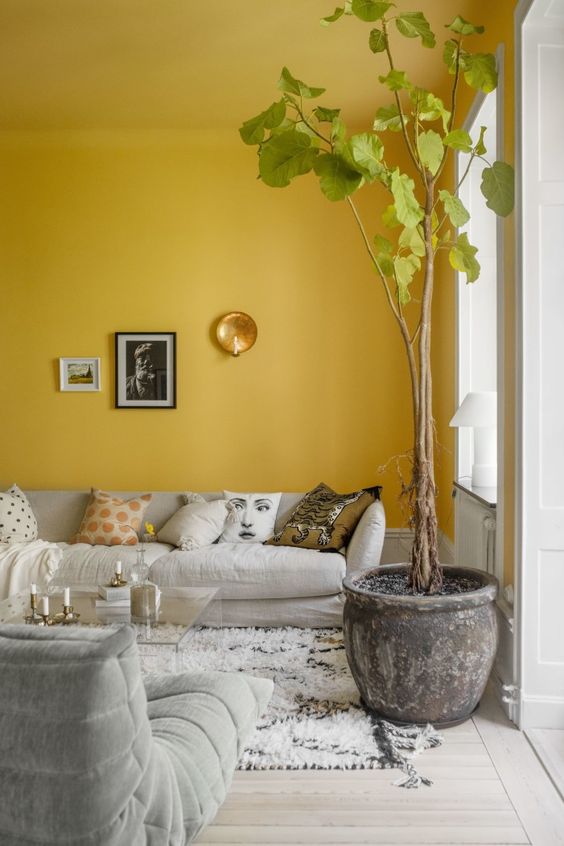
point(196, 524)
point(255, 517)
point(17, 520)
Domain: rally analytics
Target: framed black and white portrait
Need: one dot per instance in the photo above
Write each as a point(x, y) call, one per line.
point(145, 369)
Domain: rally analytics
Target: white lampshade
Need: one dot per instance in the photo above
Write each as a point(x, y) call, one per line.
point(478, 408)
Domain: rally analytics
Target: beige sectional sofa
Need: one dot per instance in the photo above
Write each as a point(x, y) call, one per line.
point(260, 585)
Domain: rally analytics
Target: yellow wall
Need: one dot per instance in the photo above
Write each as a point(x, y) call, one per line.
point(105, 232)
point(166, 233)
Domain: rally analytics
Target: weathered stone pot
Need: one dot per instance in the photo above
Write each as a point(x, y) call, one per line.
point(421, 659)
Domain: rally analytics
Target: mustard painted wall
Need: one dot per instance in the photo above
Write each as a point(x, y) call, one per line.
point(137, 231)
point(166, 232)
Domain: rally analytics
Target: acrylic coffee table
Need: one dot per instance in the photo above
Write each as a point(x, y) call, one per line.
point(180, 611)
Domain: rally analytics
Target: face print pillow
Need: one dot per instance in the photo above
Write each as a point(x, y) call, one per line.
point(252, 517)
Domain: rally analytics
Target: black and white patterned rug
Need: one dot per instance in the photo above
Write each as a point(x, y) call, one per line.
point(315, 719)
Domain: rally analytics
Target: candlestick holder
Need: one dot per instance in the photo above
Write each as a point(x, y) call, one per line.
point(117, 580)
point(67, 616)
point(34, 617)
point(46, 620)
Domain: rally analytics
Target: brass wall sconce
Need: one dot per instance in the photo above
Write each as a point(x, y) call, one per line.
point(236, 332)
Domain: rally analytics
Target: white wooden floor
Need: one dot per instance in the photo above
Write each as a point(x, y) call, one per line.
point(489, 788)
point(549, 746)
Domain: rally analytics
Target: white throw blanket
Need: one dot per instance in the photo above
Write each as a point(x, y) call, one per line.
point(24, 563)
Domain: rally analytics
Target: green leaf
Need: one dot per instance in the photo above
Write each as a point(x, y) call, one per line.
point(367, 151)
point(383, 245)
point(414, 25)
point(390, 218)
point(454, 208)
point(444, 239)
point(370, 10)
point(302, 126)
point(450, 52)
point(285, 156)
point(429, 107)
point(388, 117)
point(458, 139)
point(338, 130)
point(339, 12)
point(408, 210)
point(295, 86)
point(252, 131)
point(480, 71)
point(411, 239)
point(405, 268)
point(431, 150)
point(377, 41)
point(462, 257)
point(498, 188)
point(385, 263)
point(462, 27)
point(336, 178)
point(396, 80)
point(324, 115)
point(480, 148)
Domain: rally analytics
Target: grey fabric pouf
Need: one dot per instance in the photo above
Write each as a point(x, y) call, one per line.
point(91, 755)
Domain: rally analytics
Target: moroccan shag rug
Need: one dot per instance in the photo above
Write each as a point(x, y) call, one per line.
point(315, 719)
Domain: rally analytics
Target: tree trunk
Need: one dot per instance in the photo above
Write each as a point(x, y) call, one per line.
point(425, 573)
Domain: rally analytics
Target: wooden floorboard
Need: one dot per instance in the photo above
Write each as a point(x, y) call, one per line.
point(485, 792)
point(549, 747)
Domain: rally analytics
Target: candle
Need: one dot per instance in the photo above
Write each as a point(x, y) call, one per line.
point(33, 589)
point(45, 606)
point(118, 568)
point(66, 597)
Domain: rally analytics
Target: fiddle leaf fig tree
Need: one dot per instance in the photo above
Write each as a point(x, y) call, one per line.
point(423, 214)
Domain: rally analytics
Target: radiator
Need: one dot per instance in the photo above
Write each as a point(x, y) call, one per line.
point(475, 529)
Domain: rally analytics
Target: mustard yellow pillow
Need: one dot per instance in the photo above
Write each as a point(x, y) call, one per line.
point(111, 521)
point(324, 519)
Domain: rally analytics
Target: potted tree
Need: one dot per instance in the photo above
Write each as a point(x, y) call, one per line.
point(420, 638)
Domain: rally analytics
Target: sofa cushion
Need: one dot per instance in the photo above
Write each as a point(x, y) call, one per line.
point(112, 521)
point(196, 524)
point(252, 571)
point(324, 519)
point(255, 515)
point(365, 547)
point(17, 520)
point(83, 564)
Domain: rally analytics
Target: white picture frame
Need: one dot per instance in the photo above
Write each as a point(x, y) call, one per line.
point(79, 374)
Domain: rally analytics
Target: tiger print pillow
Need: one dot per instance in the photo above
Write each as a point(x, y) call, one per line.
point(324, 519)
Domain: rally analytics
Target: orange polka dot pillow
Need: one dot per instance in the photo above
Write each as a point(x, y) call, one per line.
point(111, 521)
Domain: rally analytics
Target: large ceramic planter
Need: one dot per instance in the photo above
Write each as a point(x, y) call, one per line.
point(421, 659)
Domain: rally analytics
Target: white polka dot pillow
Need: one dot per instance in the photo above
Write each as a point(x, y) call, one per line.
point(17, 520)
point(111, 521)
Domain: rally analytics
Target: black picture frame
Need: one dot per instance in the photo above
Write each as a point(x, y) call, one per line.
point(145, 369)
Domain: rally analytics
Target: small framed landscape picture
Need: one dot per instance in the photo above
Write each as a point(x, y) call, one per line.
point(145, 369)
point(79, 374)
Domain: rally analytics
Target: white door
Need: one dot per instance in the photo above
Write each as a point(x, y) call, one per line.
point(540, 280)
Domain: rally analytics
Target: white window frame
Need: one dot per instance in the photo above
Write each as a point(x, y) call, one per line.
point(464, 446)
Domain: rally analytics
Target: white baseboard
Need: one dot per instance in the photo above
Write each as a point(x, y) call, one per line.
point(542, 712)
point(397, 546)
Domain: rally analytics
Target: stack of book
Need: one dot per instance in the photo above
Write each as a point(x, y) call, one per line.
point(112, 600)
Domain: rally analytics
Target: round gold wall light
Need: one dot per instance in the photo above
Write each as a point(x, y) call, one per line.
point(236, 332)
